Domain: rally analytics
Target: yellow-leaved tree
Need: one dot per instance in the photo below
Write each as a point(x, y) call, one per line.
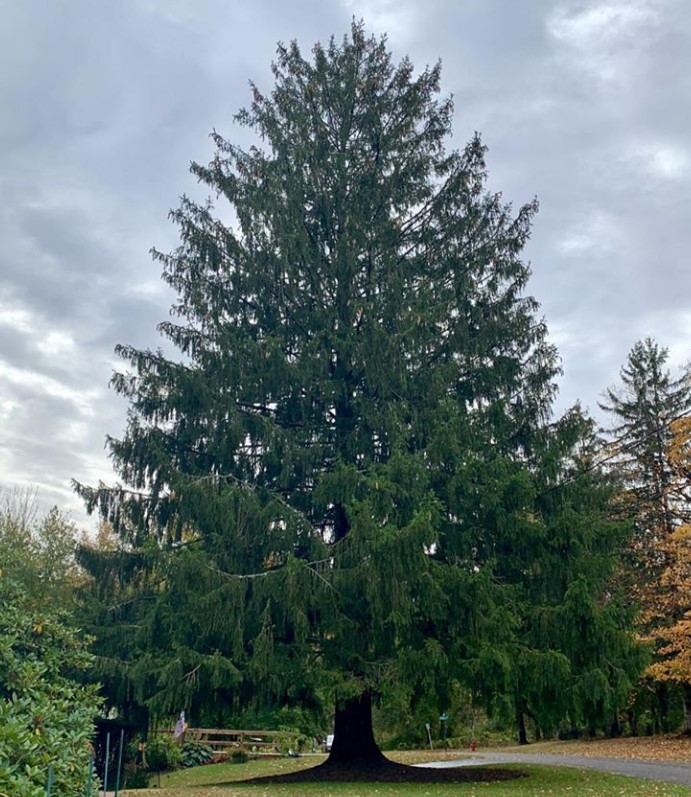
point(672, 634)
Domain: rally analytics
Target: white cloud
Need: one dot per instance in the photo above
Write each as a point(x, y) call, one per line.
point(41, 334)
point(41, 384)
point(670, 163)
point(74, 432)
point(57, 343)
point(393, 17)
point(678, 342)
point(661, 160)
point(18, 318)
point(595, 230)
point(601, 23)
point(149, 288)
point(7, 407)
point(603, 38)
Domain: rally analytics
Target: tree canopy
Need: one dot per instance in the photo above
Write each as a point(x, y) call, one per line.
point(46, 713)
point(341, 479)
point(37, 549)
point(643, 407)
point(670, 623)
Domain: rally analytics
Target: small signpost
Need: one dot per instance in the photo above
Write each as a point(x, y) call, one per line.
point(429, 735)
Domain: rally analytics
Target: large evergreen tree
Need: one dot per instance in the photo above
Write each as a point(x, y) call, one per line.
point(360, 397)
point(559, 653)
point(643, 407)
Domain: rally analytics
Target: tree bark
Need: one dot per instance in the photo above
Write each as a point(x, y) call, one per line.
point(354, 742)
point(662, 696)
point(614, 731)
point(686, 697)
point(633, 721)
point(522, 732)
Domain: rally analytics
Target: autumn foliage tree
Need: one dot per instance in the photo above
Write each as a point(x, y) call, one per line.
point(671, 630)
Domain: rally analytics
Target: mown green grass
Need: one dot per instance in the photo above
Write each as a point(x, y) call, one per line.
point(226, 780)
point(224, 773)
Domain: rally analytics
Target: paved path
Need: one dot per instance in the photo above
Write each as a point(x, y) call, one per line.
point(666, 771)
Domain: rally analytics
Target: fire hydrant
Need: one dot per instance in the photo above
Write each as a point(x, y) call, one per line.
point(473, 746)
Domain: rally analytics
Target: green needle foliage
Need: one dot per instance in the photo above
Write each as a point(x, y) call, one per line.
point(335, 487)
point(643, 408)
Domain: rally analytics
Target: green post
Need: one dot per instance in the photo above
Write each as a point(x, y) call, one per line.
point(49, 784)
point(90, 776)
point(444, 721)
point(117, 775)
point(105, 774)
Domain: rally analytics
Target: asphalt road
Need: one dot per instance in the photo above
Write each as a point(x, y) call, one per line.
point(665, 771)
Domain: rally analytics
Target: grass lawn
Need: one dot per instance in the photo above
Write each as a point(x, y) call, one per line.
point(226, 780)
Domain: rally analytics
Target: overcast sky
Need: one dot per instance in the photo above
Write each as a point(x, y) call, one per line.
point(103, 104)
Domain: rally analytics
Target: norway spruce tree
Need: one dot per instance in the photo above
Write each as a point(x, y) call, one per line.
point(316, 484)
point(555, 649)
point(644, 407)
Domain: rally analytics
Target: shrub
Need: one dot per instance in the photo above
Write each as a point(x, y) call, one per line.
point(46, 717)
point(162, 753)
point(136, 777)
point(193, 754)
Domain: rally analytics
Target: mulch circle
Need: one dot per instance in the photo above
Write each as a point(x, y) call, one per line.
point(392, 773)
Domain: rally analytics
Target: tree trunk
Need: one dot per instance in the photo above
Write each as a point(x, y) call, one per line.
point(662, 696)
point(522, 732)
point(686, 697)
point(633, 721)
point(353, 743)
point(614, 731)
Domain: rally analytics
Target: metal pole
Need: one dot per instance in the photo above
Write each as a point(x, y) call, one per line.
point(49, 785)
point(444, 721)
point(117, 776)
point(105, 774)
point(90, 776)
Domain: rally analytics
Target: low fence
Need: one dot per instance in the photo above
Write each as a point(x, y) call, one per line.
point(258, 742)
point(261, 742)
